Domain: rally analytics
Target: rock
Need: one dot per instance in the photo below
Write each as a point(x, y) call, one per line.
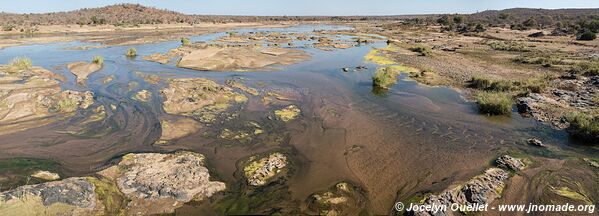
point(143, 95)
point(535, 142)
point(361, 68)
point(591, 162)
point(83, 69)
point(175, 129)
point(246, 58)
point(30, 97)
point(45, 175)
point(72, 196)
point(482, 189)
point(259, 171)
point(287, 114)
point(159, 183)
point(345, 69)
point(238, 85)
point(343, 198)
point(185, 96)
point(508, 162)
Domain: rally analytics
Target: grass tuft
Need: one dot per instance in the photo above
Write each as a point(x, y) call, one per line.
point(98, 60)
point(131, 52)
point(494, 103)
point(584, 126)
point(21, 63)
point(185, 41)
point(384, 77)
point(422, 50)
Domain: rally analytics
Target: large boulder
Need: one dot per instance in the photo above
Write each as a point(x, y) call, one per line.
point(159, 183)
point(72, 196)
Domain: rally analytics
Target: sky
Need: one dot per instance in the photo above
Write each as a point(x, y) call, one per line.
point(300, 7)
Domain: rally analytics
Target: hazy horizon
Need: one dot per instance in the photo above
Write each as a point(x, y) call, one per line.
point(300, 8)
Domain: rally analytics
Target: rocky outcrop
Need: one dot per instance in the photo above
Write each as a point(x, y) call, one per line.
point(343, 198)
point(508, 162)
point(175, 129)
point(159, 183)
point(83, 69)
point(535, 142)
point(72, 196)
point(152, 183)
point(573, 93)
point(482, 189)
point(29, 96)
point(259, 171)
point(45, 175)
point(186, 96)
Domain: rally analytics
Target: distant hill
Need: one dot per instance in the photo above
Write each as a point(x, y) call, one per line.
point(114, 15)
point(134, 14)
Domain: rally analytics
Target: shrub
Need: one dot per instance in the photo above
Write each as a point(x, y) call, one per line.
point(21, 63)
point(131, 52)
point(586, 68)
point(185, 41)
point(509, 46)
point(584, 126)
point(479, 83)
point(587, 36)
point(486, 84)
point(384, 78)
point(424, 51)
point(494, 103)
point(98, 60)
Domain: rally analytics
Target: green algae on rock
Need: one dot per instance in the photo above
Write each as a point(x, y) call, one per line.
point(259, 171)
point(288, 113)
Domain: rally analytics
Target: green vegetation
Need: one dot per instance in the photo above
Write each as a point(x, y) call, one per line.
point(584, 126)
point(587, 36)
point(422, 50)
point(494, 103)
point(587, 68)
point(384, 77)
point(486, 84)
point(375, 56)
point(16, 172)
point(21, 63)
point(98, 60)
point(109, 194)
point(509, 46)
point(185, 41)
point(131, 52)
point(545, 61)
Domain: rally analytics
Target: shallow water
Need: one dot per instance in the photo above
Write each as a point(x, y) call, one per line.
point(413, 137)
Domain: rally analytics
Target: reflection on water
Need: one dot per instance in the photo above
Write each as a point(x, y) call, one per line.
point(407, 126)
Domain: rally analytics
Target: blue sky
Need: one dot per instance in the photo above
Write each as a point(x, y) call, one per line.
point(300, 7)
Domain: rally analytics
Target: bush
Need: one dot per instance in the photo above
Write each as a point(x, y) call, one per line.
point(384, 78)
point(131, 52)
point(21, 63)
point(486, 84)
point(584, 126)
point(185, 41)
point(424, 51)
point(587, 68)
point(509, 46)
point(494, 103)
point(98, 60)
point(587, 36)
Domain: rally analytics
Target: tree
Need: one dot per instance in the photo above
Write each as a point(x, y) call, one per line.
point(458, 19)
point(444, 20)
point(587, 36)
point(479, 28)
